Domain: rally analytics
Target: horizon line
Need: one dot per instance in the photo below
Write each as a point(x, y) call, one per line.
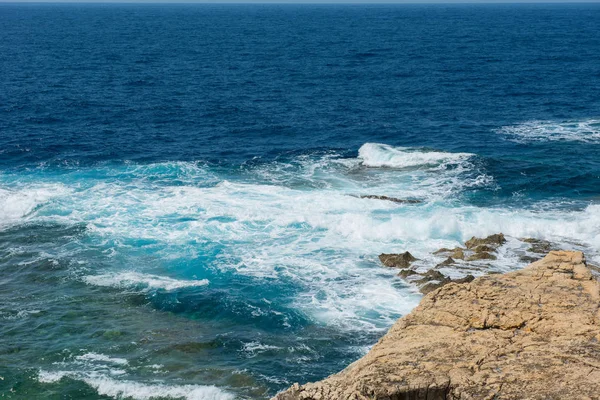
point(301, 2)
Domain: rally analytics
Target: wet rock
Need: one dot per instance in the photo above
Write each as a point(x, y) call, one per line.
point(405, 273)
point(484, 248)
point(446, 262)
point(466, 279)
point(392, 199)
point(481, 256)
point(528, 259)
point(431, 286)
point(443, 250)
point(402, 260)
point(457, 253)
point(431, 275)
point(529, 334)
point(492, 240)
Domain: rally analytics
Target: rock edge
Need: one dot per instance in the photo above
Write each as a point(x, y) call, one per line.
point(528, 334)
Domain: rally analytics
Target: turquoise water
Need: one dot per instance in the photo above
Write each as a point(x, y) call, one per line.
point(180, 211)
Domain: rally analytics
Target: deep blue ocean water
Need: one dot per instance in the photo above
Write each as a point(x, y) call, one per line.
point(179, 184)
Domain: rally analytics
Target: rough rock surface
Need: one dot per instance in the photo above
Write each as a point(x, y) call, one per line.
point(401, 260)
point(529, 334)
point(492, 240)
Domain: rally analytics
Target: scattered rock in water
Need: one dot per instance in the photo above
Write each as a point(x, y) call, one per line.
point(481, 256)
point(529, 259)
point(538, 246)
point(405, 273)
point(442, 251)
point(392, 199)
point(492, 240)
point(466, 279)
point(457, 253)
point(484, 248)
point(431, 286)
point(446, 262)
point(528, 334)
point(402, 260)
point(431, 275)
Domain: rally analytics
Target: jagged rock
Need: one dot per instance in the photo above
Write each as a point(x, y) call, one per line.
point(431, 286)
point(402, 260)
point(484, 248)
point(528, 259)
point(481, 256)
point(431, 275)
point(405, 273)
point(442, 251)
point(529, 334)
point(457, 253)
point(466, 279)
point(446, 262)
point(393, 199)
point(492, 240)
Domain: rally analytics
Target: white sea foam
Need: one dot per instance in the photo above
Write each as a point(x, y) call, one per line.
point(116, 388)
point(383, 155)
point(146, 281)
point(587, 131)
point(95, 357)
point(299, 223)
point(16, 203)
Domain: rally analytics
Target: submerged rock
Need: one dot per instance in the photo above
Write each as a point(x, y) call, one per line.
point(538, 246)
point(529, 334)
point(431, 275)
point(446, 262)
point(481, 256)
point(405, 273)
point(402, 260)
point(457, 253)
point(492, 240)
point(392, 199)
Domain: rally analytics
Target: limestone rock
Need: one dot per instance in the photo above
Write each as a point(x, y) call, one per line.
point(529, 334)
point(481, 256)
point(402, 260)
point(431, 275)
point(405, 273)
point(492, 240)
point(446, 262)
point(457, 253)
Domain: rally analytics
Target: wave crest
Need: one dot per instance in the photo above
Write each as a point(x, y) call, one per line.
point(587, 131)
point(383, 155)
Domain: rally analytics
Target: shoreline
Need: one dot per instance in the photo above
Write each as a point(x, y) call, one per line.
point(532, 333)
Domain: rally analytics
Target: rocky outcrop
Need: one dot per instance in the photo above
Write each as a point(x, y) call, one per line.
point(402, 260)
point(529, 334)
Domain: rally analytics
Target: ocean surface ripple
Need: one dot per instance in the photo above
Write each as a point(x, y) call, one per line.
point(182, 210)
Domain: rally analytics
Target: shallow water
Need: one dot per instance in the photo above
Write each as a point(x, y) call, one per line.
point(180, 211)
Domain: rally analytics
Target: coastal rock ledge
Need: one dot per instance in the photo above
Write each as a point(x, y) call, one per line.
point(528, 334)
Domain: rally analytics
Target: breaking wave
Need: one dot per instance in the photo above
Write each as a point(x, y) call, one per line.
point(587, 131)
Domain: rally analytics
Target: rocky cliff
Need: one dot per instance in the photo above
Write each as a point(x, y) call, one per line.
point(530, 334)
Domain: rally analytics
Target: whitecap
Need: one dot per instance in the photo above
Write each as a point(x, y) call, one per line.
point(140, 280)
point(95, 357)
point(587, 131)
point(383, 155)
point(109, 386)
point(16, 203)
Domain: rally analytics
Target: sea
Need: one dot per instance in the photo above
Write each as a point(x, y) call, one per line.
point(182, 210)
